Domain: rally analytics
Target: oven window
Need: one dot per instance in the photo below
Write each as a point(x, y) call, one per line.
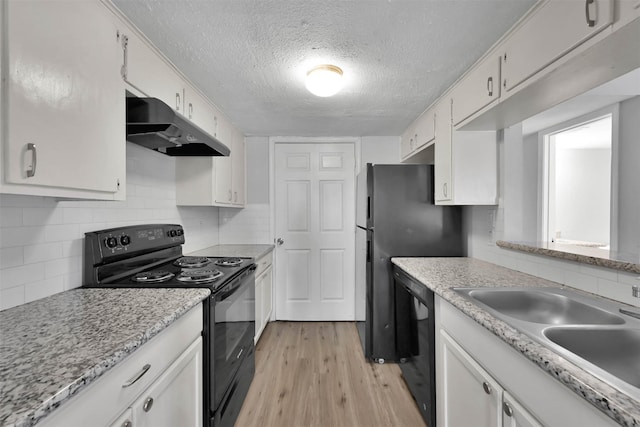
point(234, 330)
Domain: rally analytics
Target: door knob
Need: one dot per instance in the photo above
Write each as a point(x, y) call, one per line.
point(279, 241)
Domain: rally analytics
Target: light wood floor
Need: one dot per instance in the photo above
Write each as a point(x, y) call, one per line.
point(313, 374)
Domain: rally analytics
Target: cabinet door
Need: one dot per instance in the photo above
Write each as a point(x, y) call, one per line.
point(199, 111)
point(124, 420)
point(515, 415)
point(65, 96)
point(267, 296)
point(151, 75)
point(238, 169)
point(442, 178)
point(258, 300)
point(552, 31)
point(425, 129)
point(471, 396)
point(478, 89)
point(407, 142)
point(174, 399)
point(224, 192)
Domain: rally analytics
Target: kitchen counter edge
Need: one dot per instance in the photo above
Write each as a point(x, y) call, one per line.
point(443, 274)
point(25, 406)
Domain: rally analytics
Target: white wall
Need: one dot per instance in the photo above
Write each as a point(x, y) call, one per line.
point(512, 219)
point(41, 238)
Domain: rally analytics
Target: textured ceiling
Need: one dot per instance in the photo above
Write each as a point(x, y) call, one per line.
point(251, 56)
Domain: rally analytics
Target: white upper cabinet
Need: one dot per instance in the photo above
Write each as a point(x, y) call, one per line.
point(418, 136)
point(407, 144)
point(147, 72)
point(466, 162)
point(556, 28)
point(64, 102)
point(238, 169)
point(443, 177)
point(627, 11)
point(223, 174)
point(478, 89)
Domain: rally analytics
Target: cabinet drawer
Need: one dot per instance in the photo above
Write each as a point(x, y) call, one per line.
point(106, 398)
point(264, 263)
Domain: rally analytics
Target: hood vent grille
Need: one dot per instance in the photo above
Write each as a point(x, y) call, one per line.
point(153, 124)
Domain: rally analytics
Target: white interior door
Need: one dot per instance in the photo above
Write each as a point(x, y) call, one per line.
point(315, 218)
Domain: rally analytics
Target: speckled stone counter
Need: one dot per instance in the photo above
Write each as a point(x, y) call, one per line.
point(584, 255)
point(242, 251)
point(53, 347)
point(442, 274)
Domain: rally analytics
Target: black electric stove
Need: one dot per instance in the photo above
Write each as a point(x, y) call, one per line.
point(150, 256)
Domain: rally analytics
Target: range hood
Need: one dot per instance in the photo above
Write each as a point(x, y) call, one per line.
point(153, 124)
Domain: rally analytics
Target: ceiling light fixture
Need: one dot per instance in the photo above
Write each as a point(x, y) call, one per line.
point(324, 80)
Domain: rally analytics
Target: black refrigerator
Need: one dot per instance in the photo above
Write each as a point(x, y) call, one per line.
point(395, 217)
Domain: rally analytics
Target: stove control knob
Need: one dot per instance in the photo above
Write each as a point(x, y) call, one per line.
point(172, 233)
point(111, 242)
point(125, 240)
point(179, 232)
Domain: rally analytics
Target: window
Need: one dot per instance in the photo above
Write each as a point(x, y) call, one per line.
point(578, 181)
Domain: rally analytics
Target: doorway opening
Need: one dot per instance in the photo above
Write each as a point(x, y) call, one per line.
point(579, 182)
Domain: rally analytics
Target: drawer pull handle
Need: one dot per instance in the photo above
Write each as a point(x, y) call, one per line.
point(137, 376)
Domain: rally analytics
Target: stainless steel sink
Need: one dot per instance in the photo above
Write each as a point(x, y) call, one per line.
point(543, 306)
point(616, 351)
point(587, 330)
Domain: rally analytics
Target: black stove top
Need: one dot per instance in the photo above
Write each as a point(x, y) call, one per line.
point(150, 256)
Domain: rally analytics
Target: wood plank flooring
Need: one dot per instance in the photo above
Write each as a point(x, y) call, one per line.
point(313, 374)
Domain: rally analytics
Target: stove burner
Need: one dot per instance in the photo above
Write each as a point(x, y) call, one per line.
point(199, 276)
point(152, 276)
point(229, 262)
point(192, 261)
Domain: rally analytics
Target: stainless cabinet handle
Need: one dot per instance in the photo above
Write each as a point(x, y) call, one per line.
point(32, 171)
point(229, 195)
point(190, 110)
point(177, 101)
point(486, 387)
point(127, 424)
point(146, 407)
point(587, 13)
point(490, 86)
point(444, 189)
point(235, 196)
point(507, 409)
point(215, 126)
point(137, 376)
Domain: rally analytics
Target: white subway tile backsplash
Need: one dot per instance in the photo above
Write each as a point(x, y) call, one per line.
point(10, 216)
point(11, 297)
point(11, 257)
point(20, 236)
point(60, 233)
point(581, 281)
point(41, 238)
point(77, 215)
point(21, 275)
point(42, 216)
point(42, 252)
point(44, 288)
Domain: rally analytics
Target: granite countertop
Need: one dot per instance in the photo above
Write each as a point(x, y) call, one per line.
point(442, 274)
point(241, 251)
point(629, 263)
point(53, 347)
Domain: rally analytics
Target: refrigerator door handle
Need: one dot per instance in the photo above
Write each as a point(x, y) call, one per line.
point(368, 250)
point(368, 207)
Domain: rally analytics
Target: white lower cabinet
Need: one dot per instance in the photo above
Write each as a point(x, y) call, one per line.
point(483, 381)
point(264, 293)
point(159, 384)
point(472, 397)
point(175, 399)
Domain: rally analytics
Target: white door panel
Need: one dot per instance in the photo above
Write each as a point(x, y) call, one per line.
point(315, 216)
